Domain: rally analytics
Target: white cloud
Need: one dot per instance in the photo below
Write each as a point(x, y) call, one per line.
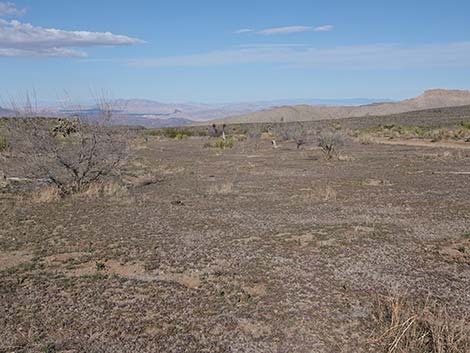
point(244, 30)
point(377, 56)
point(10, 9)
point(325, 28)
point(49, 52)
point(287, 30)
point(24, 38)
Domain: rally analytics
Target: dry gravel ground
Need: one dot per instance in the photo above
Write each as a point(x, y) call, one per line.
point(242, 250)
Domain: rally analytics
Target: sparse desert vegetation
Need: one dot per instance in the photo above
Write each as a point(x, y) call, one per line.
point(4, 144)
point(458, 132)
point(420, 325)
point(234, 176)
point(71, 153)
point(249, 248)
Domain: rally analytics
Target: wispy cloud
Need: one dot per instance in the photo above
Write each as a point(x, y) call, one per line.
point(10, 9)
point(244, 30)
point(24, 39)
point(377, 56)
point(287, 30)
point(48, 52)
point(325, 28)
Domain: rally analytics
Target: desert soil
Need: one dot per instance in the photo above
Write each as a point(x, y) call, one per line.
point(242, 250)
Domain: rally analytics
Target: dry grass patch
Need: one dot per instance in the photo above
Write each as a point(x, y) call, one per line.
point(100, 189)
point(345, 158)
point(364, 139)
point(405, 325)
point(188, 280)
point(457, 251)
point(46, 194)
point(9, 259)
point(110, 267)
point(376, 182)
point(142, 180)
point(221, 189)
point(319, 193)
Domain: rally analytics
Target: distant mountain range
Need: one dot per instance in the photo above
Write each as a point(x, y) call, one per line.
point(436, 98)
point(6, 112)
point(155, 114)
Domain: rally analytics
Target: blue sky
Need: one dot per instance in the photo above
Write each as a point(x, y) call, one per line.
point(228, 51)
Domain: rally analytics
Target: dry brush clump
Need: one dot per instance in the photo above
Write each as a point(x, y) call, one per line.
point(330, 143)
point(71, 154)
point(459, 132)
point(404, 325)
point(296, 132)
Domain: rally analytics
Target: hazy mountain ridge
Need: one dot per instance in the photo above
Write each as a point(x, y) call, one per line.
point(5, 112)
point(436, 98)
point(155, 114)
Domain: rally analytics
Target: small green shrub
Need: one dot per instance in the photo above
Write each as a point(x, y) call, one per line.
point(336, 126)
point(49, 348)
point(100, 266)
point(153, 132)
point(171, 132)
point(4, 144)
point(465, 124)
point(219, 144)
point(416, 130)
point(65, 128)
point(228, 143)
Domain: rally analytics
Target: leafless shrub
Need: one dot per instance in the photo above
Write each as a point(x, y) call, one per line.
point(407, 326)
point(292, 132)
point(253, 133)
point(330, 143)
point(70, 153)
